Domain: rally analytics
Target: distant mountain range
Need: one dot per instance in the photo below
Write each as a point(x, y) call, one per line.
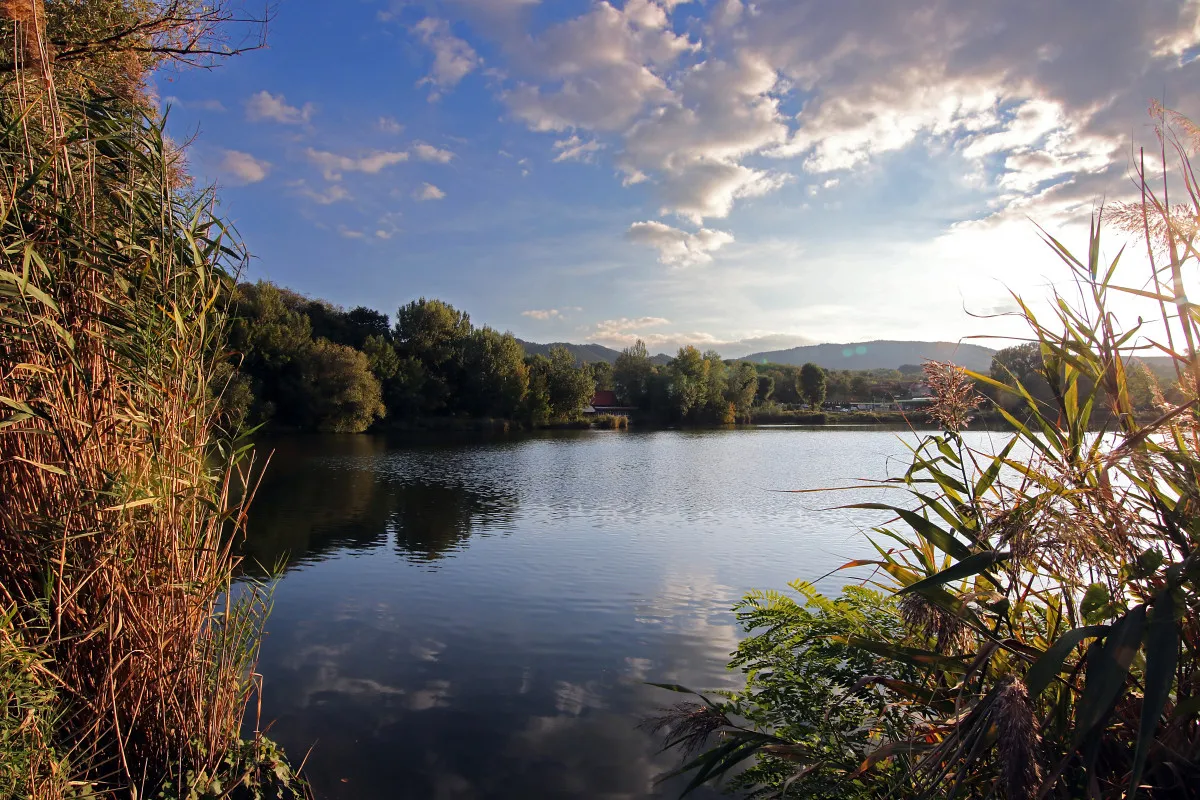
point(880, 355)
point(584, 353)
point(861, 355)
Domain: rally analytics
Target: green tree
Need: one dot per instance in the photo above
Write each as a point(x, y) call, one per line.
point(743, 388)
point(602, 374)
point(811, 385)
point(570, 386)
point(860, 387)
point(495, 377)
point(632, 375)
point(837, 385)
point(434, 333)
point(269, 339)
point(1142, 386)
point(339, 392)
point(715, 385)
point(687, 382)
point(382, 358)
point(363, 323)
point(1016, 363)
point(537, 398)
point(766, 388)
point(1022, 363)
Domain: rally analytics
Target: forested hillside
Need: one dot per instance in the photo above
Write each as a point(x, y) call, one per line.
point(880, 355)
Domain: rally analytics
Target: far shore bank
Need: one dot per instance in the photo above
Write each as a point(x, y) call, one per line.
point(806, 419)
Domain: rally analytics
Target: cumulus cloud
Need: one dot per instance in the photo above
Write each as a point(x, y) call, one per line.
point(543, 314)
point(626, 328)
point(1025, 89)
point(429, 192)
point(678, 248)
point(576, 149)
point(242, 168)
point(264, 106)
point(332, 194)
point(1034, 101)
point(334, 164)
point(427, 152)
point(621, 333)
point(723, 112)
point(453, 58)
point(600, 69)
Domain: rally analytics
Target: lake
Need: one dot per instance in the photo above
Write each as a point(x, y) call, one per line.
point(479, 618)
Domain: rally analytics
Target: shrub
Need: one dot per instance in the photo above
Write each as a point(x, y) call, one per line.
point(340, 393)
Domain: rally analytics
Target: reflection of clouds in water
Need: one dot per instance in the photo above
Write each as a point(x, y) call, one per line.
point(573, 698)
point(435, 694)
point(571, 764)
point(637, 669)
point(427, 649)
point(697, 608)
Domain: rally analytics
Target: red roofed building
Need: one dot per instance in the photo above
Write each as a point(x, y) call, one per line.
point(604, 401)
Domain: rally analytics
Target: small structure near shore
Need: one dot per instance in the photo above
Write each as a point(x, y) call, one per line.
point(604, 401)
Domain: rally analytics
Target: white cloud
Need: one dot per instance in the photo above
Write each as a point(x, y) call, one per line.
point(1031, 96)
point(453, 58)
point(621, 333)
point(333, 164)
point(543, 314)
point(429, 192)
point(242, 168)
point(350, 233)
point(197, 105)
point(427, 152)
point(603, 68)
point(1028, 95)
point(266, 106)
point(678, 248)
point(576, 149)
point(624, 327)
point(389, 125)
point(332, 194)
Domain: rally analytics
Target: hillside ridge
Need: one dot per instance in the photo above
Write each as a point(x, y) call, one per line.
point(876, 354)
point(879, 354)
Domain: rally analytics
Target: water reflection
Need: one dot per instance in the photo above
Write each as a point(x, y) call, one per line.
point(325, 494)
point(432, 519)
point(479, 620)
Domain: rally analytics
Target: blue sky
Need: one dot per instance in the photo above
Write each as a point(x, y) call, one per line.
point(735, 175)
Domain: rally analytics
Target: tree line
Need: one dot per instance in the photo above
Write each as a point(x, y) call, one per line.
point(307, 364)
point(301, 363)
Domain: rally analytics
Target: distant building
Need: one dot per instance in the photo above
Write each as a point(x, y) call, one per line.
point(605, 402)
point(915, 403)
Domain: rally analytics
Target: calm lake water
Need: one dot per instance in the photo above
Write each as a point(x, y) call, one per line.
point(477, 619)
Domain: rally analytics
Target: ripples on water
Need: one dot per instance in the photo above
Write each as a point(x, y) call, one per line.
point(478, 619)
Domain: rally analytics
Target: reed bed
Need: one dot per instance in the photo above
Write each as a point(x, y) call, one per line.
point(121, 494)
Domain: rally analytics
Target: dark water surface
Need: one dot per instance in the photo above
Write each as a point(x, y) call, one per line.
point(478, 619)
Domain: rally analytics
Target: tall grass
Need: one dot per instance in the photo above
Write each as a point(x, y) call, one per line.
point(115, 559)
point(1048, 590)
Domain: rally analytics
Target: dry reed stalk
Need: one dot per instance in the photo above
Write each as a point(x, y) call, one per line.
point(117, 510)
